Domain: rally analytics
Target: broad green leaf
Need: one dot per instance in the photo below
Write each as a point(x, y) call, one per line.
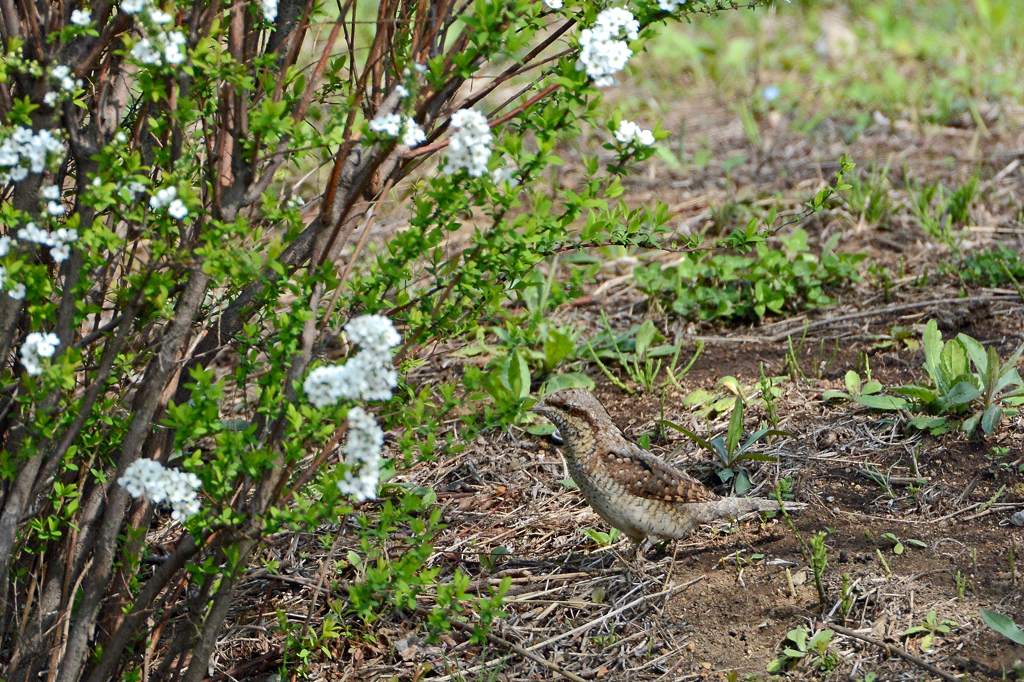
point(852, 381)
point(872, 387)
point(645, 335)
point(558, 345)
point(953, 362)
point(1003, 625)
point(799, 637)
point(735, 426)
point(568, 380)
point(519, 376)
point(991, 418)
point(882, 402)
point(961, 394)
point(976, 352)
point(932, 339)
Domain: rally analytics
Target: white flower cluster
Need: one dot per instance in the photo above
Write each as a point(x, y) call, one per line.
point(603, 47)
point(269, 9)
point(35, 348)
point(394, 125)
point(469, 148)
point(149, 479)
point(162, 48)
point(362, 452)
point(81, 17)
point(159, 46)
point(25, 151)
point(66, 85)
point(553, 4)
point(51, 193)
point(59, 241)
point(368, 375)
point(671, 5)
point(168, 198)
point(629, 132)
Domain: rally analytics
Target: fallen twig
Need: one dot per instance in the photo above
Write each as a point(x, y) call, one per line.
point(899, 651)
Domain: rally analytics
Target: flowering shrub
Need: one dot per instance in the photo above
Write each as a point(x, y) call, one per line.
point(198, 325)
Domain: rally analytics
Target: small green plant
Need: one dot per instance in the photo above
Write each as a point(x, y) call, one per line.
point(868, 393)
point(800, 647)
point(643, 354)
point(961, 581)
point(818, 556)
point(899, 546)
point(939, 211)
point(741, 288)
point(601, 538)
point(970, 387)
point(731, 452)
point(868, 197)
point(847, 596)
point(929, 629)
point(996, 267)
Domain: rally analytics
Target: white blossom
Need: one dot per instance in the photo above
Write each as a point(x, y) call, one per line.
point(367, 375)
point(134, 6)
point(26, 151)
point(553, 4)
point(374, 333)
point(160, 48)
point(412, 134)
point(389, 124)
point(59, 241)
point(629, 132)
point(81, 17)
point(51, 192)
point(144, 52)
point(5, 246)
point(55, 208)
point(152, 481)
point(402, 91)
point(174, 52)
point(362, 456)
point(269, 9)
point(671, 5)
point(17, 291)
point(159, 17)
point(603, 47)
point(394, 125)
point(35, 349)
point(469, 148)
point(163, 197)
point(177, 209)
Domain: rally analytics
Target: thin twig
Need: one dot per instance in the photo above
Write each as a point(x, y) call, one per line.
point(899, 651)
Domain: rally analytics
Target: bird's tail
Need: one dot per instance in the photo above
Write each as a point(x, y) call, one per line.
point(735, 507)
point(746, 505)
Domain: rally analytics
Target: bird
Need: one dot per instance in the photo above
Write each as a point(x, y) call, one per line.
point(633, 490)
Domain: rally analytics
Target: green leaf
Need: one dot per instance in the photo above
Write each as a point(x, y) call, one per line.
point(882, 402)
point(852, 381)
point(519, 376)
point(991, 418)
point(961, 394)
point(976, 352)
point(953, 362)
point(799, 637)
point(567, 380)
point(1003, 625)
point(645, 335)
point(697, 440)
point(932, 340)
point(735, 432)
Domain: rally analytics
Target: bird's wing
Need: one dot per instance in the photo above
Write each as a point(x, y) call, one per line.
point(644, 475)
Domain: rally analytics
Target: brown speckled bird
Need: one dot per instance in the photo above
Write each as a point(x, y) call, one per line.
point(629, 487)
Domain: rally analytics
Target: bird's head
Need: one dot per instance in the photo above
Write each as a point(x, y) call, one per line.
point(572, 411)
